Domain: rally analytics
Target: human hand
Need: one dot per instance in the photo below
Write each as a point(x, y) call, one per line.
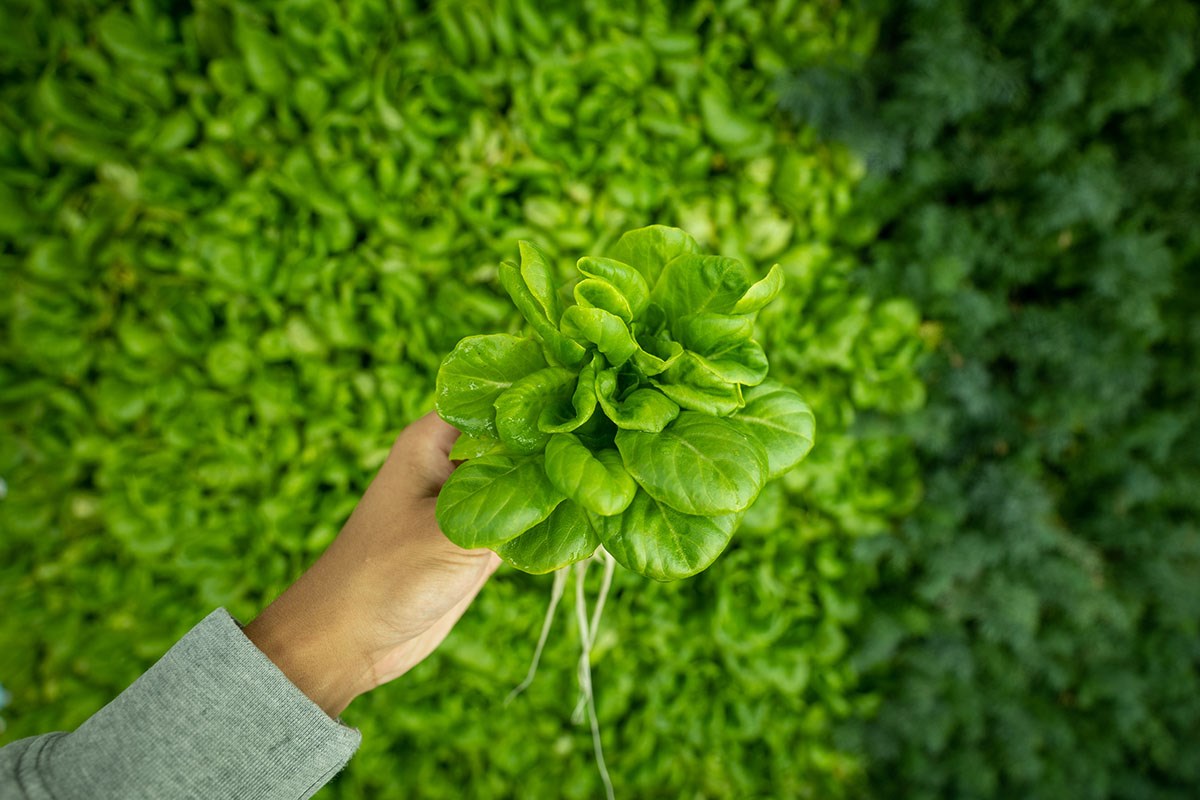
point(388, 590)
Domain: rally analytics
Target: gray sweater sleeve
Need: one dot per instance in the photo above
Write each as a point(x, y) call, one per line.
point(214, 718)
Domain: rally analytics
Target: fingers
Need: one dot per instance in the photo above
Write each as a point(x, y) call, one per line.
point(423, 448)
point(433, 433)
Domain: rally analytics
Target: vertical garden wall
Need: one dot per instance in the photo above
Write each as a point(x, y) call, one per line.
point(237, 240)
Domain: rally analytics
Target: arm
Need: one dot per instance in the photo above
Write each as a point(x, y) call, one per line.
point(253, 713)
point(213, 718)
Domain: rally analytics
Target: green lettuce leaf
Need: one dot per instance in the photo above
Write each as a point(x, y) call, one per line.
point(564, 537)
point(520, 407)
point(559, 348)
point(596, 480)
point(643, 409)
point(563, 417)
point(605, 330)
point(649, 249)
point(778, 417)
point(692, 385)
point(488, 501)
point(699, 464)
point(653, 539)
point(628, 281)
point(476, 372)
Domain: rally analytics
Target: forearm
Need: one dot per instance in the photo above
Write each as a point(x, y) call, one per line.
point(213, 718)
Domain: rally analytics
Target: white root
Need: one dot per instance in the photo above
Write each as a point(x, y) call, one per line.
point(586, 635)
point(610, 565)
point(556, 593)
point(585, 640)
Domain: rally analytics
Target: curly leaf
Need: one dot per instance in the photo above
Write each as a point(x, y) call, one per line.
point(599, 293)
point(761, 293)
point(655, 354)
point(624, 278)
point(698, 464)
point(694, 386)
point(563, 417)
point(519, 409)
point(642, 410)
point(605, 330)
point(476, 372)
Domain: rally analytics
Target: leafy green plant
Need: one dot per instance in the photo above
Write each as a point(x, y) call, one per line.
point(237, 241)
point(639, 417)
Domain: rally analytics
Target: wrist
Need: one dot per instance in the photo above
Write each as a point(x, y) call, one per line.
point(317, 647)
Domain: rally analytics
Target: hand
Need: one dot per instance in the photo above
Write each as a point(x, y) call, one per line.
point(388, 590)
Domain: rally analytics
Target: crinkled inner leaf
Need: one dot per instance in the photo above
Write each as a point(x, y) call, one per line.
point(655, 353)
point(623, 277)
point(560, 416)
point(519, 409)
point(610, 335)
point(694, 386)
point(476, 372)
point(642, 409)
point(599, 293)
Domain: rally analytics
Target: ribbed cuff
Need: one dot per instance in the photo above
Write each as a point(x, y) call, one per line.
point(214, 718)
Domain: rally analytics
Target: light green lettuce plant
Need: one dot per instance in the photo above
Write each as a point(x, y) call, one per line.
point(640, 417)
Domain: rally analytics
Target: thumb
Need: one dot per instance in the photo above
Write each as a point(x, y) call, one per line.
point(425, 446)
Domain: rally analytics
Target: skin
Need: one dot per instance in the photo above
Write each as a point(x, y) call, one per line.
point(388, 590)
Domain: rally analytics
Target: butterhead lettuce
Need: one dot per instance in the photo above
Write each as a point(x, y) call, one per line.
point(640, 417)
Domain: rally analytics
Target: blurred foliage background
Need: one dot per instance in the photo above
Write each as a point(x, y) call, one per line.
point(236, 240)
point(1035, 176)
